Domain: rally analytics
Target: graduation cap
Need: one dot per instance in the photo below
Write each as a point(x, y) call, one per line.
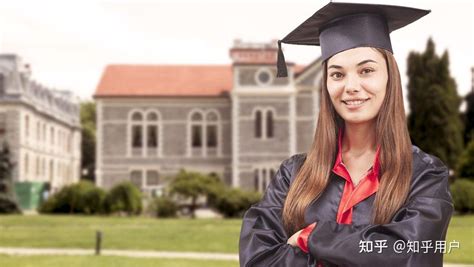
point(341, 26)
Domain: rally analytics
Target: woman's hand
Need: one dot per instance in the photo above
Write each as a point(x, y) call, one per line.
point(292, 240)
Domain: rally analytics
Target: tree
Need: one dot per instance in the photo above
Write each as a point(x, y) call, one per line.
point(434, 121)
point(465, 168)
point(469, 118)
point(88, 123)
point(8, 203)
point(192, 185)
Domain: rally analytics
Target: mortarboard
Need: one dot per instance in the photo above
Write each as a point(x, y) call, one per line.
point(341, 26)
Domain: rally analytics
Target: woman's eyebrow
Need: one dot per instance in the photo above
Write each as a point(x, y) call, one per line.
point(335, 66)
point(366, 61)
point(358, 64)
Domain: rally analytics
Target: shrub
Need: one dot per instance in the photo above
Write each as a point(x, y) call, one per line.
point(83, 197)
point(124, 197)
point(465, 167)
point(462, 191)
point(163, 207)
point(192, 185)
point(234, 202)
point(94, 201)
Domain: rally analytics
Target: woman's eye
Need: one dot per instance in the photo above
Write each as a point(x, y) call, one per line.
point(365, 71)
point(336, 75)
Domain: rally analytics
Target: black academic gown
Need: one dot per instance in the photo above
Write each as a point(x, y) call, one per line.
point(425, 217)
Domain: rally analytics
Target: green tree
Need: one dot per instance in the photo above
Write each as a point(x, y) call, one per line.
point(88, 123)
point(192, 185)
point(468, 118)
point(8, 203)
point(434, 121)
point(465, 168)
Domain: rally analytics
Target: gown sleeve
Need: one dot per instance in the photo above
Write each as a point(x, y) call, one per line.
point(424, 217)
point(263, 237)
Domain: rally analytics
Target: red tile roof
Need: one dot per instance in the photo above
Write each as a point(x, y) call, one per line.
point(165, 80)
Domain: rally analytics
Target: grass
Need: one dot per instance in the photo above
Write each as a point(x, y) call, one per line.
point(461, 229)
point(94, 261)
point(200, 235)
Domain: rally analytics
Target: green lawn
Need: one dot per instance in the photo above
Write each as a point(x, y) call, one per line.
point(461, 229)
point(200, 235)
point(94, 261)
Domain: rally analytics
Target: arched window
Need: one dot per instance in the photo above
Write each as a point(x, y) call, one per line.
point(269, 125)
point(258, 124)
point(263, 123)
point(136, 132)
point(204, 132)
point(197, 124)
point(211, 130)
point(152, 126)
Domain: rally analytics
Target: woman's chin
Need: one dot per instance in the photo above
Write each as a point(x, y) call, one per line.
point(357, 118)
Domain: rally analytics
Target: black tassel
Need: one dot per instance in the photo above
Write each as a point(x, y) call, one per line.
point(281, 63)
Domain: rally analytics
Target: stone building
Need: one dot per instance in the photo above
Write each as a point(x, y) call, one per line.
point(238, 121)
point(40, 125)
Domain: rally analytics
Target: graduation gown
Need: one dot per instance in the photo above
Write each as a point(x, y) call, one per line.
point(335, 241)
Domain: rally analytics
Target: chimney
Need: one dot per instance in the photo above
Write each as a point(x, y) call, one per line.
point(254, 53)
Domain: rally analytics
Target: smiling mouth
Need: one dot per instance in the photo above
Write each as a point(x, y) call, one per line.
point(355, 102)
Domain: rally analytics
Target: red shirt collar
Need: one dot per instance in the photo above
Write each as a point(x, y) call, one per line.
point(339, 167)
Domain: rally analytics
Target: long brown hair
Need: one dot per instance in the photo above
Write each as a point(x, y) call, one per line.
point(395, 155)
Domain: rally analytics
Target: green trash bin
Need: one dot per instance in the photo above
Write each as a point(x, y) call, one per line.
point(29, 194)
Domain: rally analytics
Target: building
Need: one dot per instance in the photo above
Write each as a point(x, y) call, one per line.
point(40, 125)
point(238, 121)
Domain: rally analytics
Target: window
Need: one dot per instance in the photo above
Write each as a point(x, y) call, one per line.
point(263, 124)
point(269, 124)
point(212, 136)
point(26, 164)
point(143, 179)
point(38, 131)
point(262, 178)
point(204, 132)
point(144, 133)
point(197, 135)
point(152, 178)
point(136, 178)
point(27, 126)
point(152, 130)
point(137, 132)
point(51, 171)
point(137, 136)
point(258, 124)
point(152, 136)
point(52, 136)
point(264, 77)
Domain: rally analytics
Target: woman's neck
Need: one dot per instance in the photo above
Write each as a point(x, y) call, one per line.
point(359, 138)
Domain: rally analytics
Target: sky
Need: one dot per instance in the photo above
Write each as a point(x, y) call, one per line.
point(69, 43)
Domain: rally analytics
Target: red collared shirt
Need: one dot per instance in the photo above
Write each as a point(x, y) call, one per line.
point(351, 195)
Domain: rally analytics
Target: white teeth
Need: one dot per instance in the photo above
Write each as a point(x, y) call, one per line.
point(354, 102)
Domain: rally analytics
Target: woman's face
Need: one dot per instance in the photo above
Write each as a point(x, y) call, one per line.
point(357, 82)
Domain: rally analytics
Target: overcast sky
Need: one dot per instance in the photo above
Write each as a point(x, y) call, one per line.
point(68, 43)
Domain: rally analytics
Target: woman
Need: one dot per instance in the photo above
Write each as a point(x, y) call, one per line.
point(362, 195)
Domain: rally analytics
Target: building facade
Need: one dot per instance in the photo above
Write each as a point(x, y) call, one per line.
point(40, 125)
point(238, 121)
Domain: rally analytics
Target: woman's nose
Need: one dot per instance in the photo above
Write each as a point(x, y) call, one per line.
point(352, 84)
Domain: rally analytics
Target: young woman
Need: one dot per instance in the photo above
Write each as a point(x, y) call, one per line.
point(363, 195)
